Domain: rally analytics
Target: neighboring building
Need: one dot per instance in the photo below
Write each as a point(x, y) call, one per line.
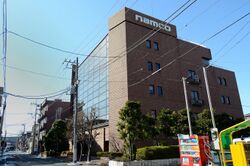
point(23, 142)
point(247, 116)
point(52, 110)
point(123, 67)
point(12, 140)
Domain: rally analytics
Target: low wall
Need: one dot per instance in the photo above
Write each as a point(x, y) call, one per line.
point(164, 162)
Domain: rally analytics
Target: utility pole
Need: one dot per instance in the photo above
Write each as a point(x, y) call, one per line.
point(214, 130)
point(209, 97)
point(187, 106)
point(34, 129)
point(23, 128)
point(74, 92)
point(75, 112)
point(39, 126)
point(4, 64)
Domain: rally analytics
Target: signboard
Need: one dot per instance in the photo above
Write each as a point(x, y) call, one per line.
point(153, 23)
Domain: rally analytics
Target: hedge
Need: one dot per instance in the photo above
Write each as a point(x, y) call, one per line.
point(111, 155)
point(157, 152)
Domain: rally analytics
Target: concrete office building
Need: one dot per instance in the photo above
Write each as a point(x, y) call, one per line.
point(123, 67)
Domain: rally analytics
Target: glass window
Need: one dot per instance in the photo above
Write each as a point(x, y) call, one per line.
point(228, 100)
point(191, 74)
point(150, 66)
point(222, 99)
point(153, 114)
point(195, 95)
point(224, 81)
point(205, 61)
point(219, 80)
point(156, 46)
point(158, 66)
point(148, 43)
point(151, 89)
point(159, 91)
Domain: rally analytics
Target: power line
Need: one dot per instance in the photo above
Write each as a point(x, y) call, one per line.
point(236, 43)
point(233, 37)
point(36, 73)
point(198, 15)
point(48, 46)
point(148, 35)
point(96, 27)
point(36, 97)
point(209, 38)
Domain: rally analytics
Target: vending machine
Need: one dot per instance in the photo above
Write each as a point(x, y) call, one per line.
point(194, 150)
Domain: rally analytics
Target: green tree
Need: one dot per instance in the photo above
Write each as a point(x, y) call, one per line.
point(224, 121)
point(149, 127)
point(180, 120)
point(56, 139)
point(203, 123)
point(164, 122)
point(130, 126)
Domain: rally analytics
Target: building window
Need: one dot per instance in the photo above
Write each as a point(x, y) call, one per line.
point(205, 61)
point(191, 74)
point(158, 66)
point(151, 89)
point(153, 114)
point(59, 113)
point(219, 80)
point(156, 46)
point(228, 100)
point(195, 95)
point(222, 81)
point(159, 91)
point(222, 99)
point(150, 66)
point(148, 43)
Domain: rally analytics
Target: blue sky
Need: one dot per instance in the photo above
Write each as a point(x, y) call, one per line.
point(79, 25)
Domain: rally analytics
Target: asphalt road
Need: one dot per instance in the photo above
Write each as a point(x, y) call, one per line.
point(22, 159)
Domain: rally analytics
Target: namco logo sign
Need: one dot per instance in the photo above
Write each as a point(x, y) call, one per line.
point(152, 23)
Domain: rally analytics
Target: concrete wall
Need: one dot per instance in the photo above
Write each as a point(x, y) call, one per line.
point(117, 72)
point(164, 162)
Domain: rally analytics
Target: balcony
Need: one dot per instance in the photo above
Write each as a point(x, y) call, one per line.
point(197, 102)
point(193, 79)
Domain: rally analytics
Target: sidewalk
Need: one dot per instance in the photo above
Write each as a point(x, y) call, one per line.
point(95, 162)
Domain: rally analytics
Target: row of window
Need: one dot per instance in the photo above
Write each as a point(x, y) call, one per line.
point(225, 100)
point(156, 45)
point(150, 66)
point(222, 81)
point(152, 90)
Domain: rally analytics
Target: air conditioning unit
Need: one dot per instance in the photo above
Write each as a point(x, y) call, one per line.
point(197, 102)
point(193, 79)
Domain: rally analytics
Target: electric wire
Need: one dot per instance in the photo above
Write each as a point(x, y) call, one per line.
point(48, 46)
point(200, 14)
point(226, 53)
point(36, 97)
point(145, 37)
point(58, 49)
point(96, 28)
point(209, 38)
point(36, 73)
point(99, 26)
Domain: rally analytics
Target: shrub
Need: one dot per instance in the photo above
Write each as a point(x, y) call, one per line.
point(110, 155)
point(51, 153)
point(157, 152)
point(69, 153)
